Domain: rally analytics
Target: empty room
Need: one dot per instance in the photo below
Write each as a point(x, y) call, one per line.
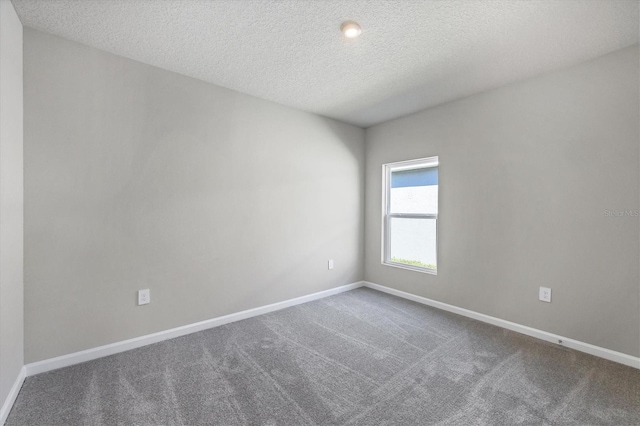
point(319, 212)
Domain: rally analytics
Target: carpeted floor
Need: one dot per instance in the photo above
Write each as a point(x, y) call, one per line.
point(358, 358)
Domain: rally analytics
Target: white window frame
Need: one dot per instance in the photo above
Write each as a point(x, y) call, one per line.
point(419, 163)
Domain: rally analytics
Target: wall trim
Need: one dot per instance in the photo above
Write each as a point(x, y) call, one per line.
point(588, 348)
point(137, 342)
point(13, 394)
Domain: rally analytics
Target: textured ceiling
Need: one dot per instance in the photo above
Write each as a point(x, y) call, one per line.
point(411, 54)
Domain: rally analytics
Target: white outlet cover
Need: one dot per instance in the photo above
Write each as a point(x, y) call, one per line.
point(545, 294)
point(144, 297)
point(330, 264)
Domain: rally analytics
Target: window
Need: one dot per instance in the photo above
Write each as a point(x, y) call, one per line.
point(410, 209)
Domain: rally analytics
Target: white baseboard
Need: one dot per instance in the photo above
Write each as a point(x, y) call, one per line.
point(125, 345)
point(13, 394)
point(598, 351)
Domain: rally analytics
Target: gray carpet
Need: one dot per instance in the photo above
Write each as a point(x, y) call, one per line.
point(358, 358)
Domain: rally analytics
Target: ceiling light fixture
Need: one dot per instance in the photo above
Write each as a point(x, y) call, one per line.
point(350, 29)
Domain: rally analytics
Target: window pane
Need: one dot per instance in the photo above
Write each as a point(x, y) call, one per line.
point(414, 191)
point(413, 242)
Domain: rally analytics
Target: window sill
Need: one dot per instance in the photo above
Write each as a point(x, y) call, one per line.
point(411, 268)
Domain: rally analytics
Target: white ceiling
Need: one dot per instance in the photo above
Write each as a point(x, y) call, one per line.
point(411, 54)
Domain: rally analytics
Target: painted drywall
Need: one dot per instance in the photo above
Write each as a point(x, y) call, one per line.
point(533, 179)
point(137, 177)
point(11, 199)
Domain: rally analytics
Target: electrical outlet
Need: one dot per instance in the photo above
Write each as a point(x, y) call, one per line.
point(330, 264)
point(144, 297)
point(545, 294)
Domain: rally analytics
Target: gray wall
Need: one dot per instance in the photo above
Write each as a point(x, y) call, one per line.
point(11, 199)
point(527, 173)
point(136, 177)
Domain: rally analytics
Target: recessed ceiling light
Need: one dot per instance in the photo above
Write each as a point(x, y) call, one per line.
point(350, 29)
